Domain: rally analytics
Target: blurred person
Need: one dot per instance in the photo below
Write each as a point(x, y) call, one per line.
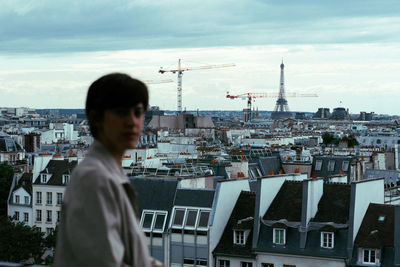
point(98, 224)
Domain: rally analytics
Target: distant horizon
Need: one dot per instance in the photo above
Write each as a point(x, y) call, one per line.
point(205, 110)
point(346, 52)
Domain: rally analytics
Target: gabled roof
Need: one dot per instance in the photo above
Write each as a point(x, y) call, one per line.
point(334, 204)
point(25, 182)
point(240, 219)
point(376, 233)
point(287, 203)
point(194, 197)
point(154, 193)
point(57, 168)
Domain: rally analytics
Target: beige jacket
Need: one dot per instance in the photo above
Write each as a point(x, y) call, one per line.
point(98, 223)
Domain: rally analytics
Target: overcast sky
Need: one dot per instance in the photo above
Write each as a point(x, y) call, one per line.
point(347, 52)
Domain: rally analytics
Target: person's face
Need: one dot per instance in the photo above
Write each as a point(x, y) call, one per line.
point(120, 128)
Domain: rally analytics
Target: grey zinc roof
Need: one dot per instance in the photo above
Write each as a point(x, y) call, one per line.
point(240, 219)
point(57, 168)
point(154, 193)
point(324, 172)
point(272, 163)
point(390, 176)
point(194, 197)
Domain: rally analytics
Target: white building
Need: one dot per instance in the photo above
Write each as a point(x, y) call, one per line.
point(20, 198)
point(47, 193)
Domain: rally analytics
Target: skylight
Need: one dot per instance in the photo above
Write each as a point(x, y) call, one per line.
point(381, 218)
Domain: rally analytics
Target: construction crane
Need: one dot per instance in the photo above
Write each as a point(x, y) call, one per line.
point(252, 96)
point(180, 71)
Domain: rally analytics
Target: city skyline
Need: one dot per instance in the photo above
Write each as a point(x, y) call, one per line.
point(347, 53)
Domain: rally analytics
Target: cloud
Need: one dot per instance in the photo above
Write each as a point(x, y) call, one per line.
point(45, 26)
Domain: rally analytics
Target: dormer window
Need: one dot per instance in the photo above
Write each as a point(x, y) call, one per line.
point(239, 237)
point(153, 221)
point(318, 165)
point(370, 256)
point(279, 236)
point(381, 218)
point(190, 218)
point(331, 166)
point(44, 177)
point(65, 178)
point(327, 240)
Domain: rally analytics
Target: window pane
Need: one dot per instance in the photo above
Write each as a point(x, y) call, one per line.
point(203, 221)
point(178, 217)
point(159, 222)
point(318, 165)
point(366, 255)
point(191, 218)
point(148, 218)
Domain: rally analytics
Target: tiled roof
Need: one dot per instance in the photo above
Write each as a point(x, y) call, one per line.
point(240, 219)
point(377, 227)
point(334, 204)
point(57, 168)
point(287, 203)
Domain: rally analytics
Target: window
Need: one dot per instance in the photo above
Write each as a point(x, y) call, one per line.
point(59, 198)
point(345, 166)
point(17, 199)
point(318, 165)
point(49, 231)
point(381, 218)
point(26, 217)
point(38, 215)
point(26, 200)
point(147, 220)
point(178, 218)
point(153, 221)
point(65, 179)
point(38, 197)
point(224, 263)
point(331, 166)
point(279, 236)
point(44, 178)
point(58, 216)
point(327, 240)
point(203, 220)
point(246, 264)
point(49, 198)
point(188, 261)
point(159, 222)
point(289, 265)
point(369, 256)
point(201, 262)
point(16, 215)
point(49, 216)
point(191, 217)
point(267, 264)
point(239, 237)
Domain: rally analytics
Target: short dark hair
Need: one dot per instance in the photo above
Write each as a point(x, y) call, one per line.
point(111, 91)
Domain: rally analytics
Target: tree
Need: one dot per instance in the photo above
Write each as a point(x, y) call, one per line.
point(19, 242)
point(6, 177)
point(328, 138)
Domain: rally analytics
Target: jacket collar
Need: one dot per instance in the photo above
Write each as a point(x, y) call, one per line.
point(99, 151)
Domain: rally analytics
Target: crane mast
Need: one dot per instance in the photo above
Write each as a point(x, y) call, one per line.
point(180, 71)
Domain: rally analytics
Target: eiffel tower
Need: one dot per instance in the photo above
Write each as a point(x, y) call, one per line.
point(281, 108)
